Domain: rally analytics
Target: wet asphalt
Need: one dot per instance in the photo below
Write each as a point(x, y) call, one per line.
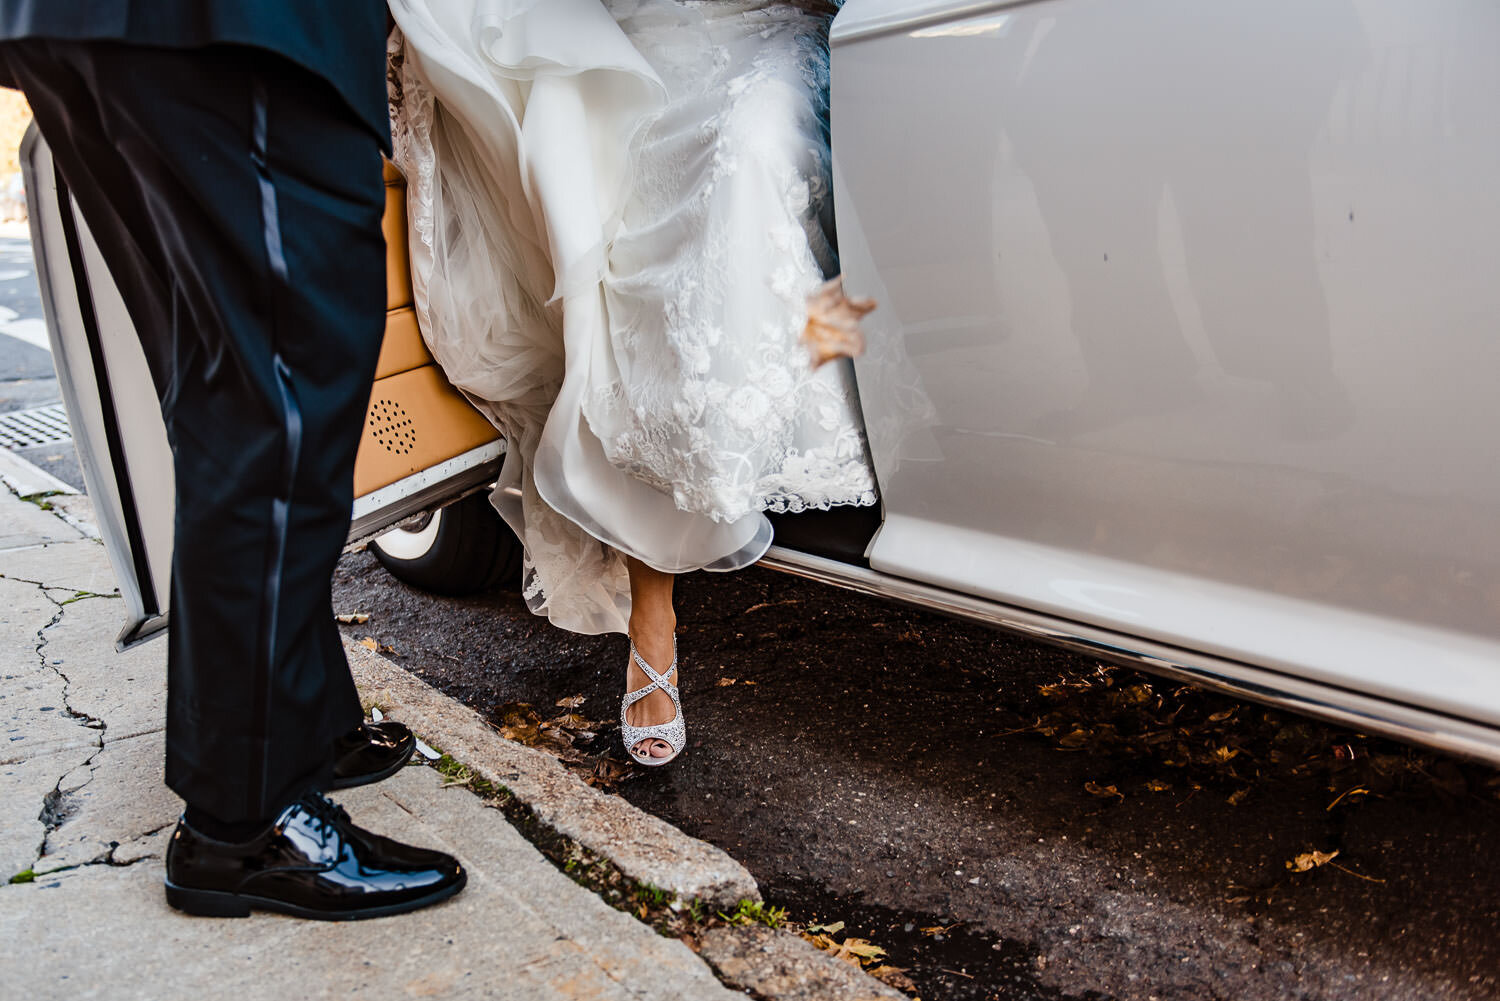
point(1005, 819)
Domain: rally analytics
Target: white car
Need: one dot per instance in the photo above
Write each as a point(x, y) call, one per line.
point(1186, 352)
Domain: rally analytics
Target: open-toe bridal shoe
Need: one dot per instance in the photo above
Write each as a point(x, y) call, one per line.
point(673, 733)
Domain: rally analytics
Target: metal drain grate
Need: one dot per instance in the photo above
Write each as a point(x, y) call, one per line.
point(37, 426)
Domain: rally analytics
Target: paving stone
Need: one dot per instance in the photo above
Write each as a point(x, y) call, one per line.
point(780, 965)
point(34, 720)
point(40, 742)
point(122, 800)
point(520, 931)
point(147, 846)
point(127, 690)
point(78, 511)
point(27, 480)
point(23, 523)
point(77, 564)
point(24, 786)
point(24, 609)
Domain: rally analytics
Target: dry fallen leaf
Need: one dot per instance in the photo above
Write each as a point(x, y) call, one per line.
point(863, 950)
point(606, 773)
point(571, 702)
point(518, 721)
point(893, 976)
point(1311, 860)
point(931, 930)
point(1095, 789)
point(724, 682)
point(556, 741)
point(370, 643)
point(1157, 785)
point(352, 619)
point(854, 951)
point(1238, 796)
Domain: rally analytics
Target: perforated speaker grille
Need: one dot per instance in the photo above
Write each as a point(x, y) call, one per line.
point(392, 428)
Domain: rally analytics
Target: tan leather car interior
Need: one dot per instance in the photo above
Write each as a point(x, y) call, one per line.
point(416, 418)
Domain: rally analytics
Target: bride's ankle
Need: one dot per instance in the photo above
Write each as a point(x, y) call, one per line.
point(653, 639)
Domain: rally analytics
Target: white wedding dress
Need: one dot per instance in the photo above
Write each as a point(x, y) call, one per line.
point(618, 210)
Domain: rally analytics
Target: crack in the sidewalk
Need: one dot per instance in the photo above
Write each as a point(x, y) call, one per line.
point(107, 860)
point(79, 593)
point(57, 805)
point(56, 808)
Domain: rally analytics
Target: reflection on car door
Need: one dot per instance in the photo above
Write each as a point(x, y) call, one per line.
point(1187, 322)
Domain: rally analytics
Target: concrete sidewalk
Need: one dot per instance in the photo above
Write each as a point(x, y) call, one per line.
point(84, 817)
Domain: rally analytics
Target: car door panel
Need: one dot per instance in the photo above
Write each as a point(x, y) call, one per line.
point(1186, 323)
point(106, 387)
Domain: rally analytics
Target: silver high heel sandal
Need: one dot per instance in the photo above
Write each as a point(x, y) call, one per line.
point(672, 733)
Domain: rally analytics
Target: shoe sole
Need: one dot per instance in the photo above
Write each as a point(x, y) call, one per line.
point(222, 904)
point(363, 780)
point(654, 762)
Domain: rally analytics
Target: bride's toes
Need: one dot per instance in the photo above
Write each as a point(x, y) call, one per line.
point(653, 749)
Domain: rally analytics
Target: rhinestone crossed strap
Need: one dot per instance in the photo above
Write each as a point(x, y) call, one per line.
point(673, 732)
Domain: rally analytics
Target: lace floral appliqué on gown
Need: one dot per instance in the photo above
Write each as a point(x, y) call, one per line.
point(618, 212)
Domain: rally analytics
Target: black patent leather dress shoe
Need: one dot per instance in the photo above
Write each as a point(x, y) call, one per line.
point(371, 752)
point(312, 863)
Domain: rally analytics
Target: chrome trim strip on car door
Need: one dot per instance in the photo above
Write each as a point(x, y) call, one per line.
point(881, 18)
point(1334, 704)
point(446, 482)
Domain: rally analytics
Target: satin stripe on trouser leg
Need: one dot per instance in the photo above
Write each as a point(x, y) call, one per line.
point(238, 202)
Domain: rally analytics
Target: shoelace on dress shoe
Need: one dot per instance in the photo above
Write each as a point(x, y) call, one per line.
point(330, 810)
point(327, 814)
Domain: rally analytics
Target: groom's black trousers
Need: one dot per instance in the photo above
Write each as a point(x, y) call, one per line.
point(237, 200)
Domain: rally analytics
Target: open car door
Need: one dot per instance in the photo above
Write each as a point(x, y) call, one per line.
point(423, 443)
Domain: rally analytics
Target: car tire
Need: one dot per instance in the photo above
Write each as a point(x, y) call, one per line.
point(456, 550)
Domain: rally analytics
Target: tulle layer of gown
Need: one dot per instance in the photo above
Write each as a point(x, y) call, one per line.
point(618, 211)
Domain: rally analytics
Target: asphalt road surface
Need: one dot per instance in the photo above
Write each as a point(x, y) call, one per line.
point(1007, 820)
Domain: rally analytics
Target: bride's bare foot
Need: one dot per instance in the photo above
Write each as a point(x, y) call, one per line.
point(832, 329)
point(655, 645)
